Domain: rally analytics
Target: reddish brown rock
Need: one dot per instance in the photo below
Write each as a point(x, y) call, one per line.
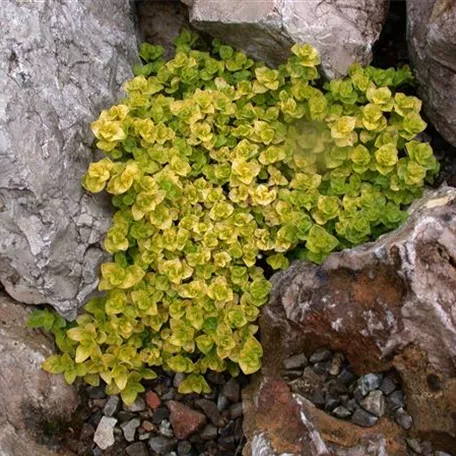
point(184, 420)
point(152, 400)
point(386, 304)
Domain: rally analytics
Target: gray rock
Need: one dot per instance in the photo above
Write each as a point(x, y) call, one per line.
point(343, 31)
point(178, 379)
point(231, 390)
point(129, 429)
point(209, 432)
point(431, 35)
point(395, 400)
point(352, 405)
point(30, 396)
point(162, 445)
point(331, 402)
point(104, 435)
point(295, 362)
point(370, 382)
point(341, 412)
point(138, 406)
point(160, 414)
point(54, 81)
point(236, 410)
point(374, 403)
point(415, 445)
point(184, 448)
point(320, 355)
point(125, 416)
point(346, 376)
point(137, 449)
point(165, 429)
point(222, 402)
point(403, 419)
point(322, 367)
point(111, 406)
point(387, 386)
point(336, 364)
point(363, 418)
point(209, 408)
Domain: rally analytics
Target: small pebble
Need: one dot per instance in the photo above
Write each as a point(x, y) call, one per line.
point(222, 402)
point(415, 445)
point(370, 382)
point(331, 403)
point(387, 386)
point(144, 436)
point(160, 414)
point(209, 408)
point(374, 403)
point(111, 406)
point(320, 355)
point(227, 443)
point(216, 377)
point(322, 367)
point(395, 400)
point(178, 379)
point(138, 406)
point(403, 419)
point(152, 400)
point(346, 376)
point(341, 412)
point(137, 449)
point(184, 448)
point(162, 445)
point(336, 364)
point(165, 429)
point(295, 362)
point(292, 374)
point(125, 416)
point(169, 395)
point(148, 426)
point(104, 435)
point(209, 432)
point(129, 429)
point(363, 418)
point(95, 392)
point(236, 410)
point(231, 390)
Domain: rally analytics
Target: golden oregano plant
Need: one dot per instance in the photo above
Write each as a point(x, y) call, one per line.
point(219, 168)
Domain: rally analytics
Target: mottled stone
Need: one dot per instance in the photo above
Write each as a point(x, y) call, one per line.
point(54, 81)
point(209, 432)
point(374, 403)
point(111, 406)
point(30, 397)
point(431, 34)
point(363, 418)
point(184, 420)
point(343, 31)
point(209, 408)
point(320, 355)
point(396, 400)
point(138, 406)
point(387, 386)
point(104, 435)
point(152, 400)
point(341, 412)
point(295, 362)
point(129, 429)
point(402, 418)
point(162, 445)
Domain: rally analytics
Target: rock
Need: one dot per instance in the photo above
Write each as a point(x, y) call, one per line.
point(231, 390)
point(402, 418)
point(415, 445)
point(209, 432)
point(387, 386)
point(346, 376)
point(320, 355)
point(165, 429)
point(162, 445)
point(147, 426)
point(236, 410)
point(431, 35)
point(104, 435)
point(363, 418)
point(31, 399)
point(178, 379)
point(125, 416)
point(370, 382)
point(374, 403)
point(441, 453)
point(387, 304)
point(184, 420)
point(137, 449)
point(111, 406)
point(152, 400)
point(343, 31)
point(129, 429)
point(331, 402)
point(55, 80)
point(341, 412)
point(322, 368)
point(396, 400)
point(160, 414)
point(295, 362)
point(336, 364)
point(184, 448)
point(209, 408)
point(222, 402)
point(138, 406)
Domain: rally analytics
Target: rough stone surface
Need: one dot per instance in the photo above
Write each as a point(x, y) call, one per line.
point(54, 81)
point(104, 435)
point(30, 397)
point(342, 30)
point(184, 420)
point(162, 445)
point(432, 48)
point(386, 304)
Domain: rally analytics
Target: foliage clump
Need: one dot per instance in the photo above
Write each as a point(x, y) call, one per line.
point(220, 167)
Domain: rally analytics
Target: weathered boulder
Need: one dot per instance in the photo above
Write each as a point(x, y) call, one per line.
point(61, 63)
point(387, 304)
point(342, 30)
point(431, 34)
point(30, 398)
